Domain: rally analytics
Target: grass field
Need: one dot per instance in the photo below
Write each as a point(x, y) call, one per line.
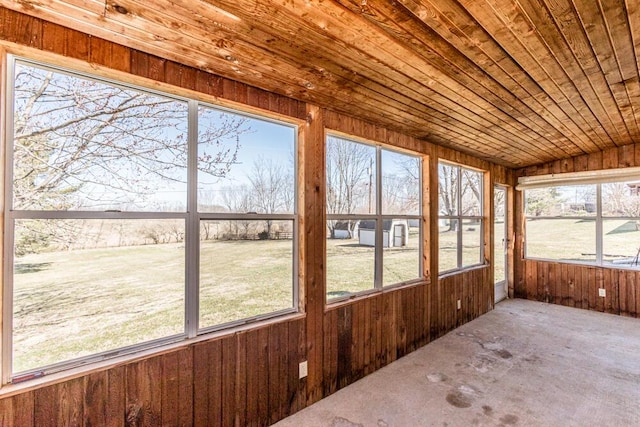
point(70, 304)
point(351, 266)
point(571, 239)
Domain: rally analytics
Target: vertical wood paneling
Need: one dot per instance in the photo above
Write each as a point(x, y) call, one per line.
point(263, 376)
point(228, 380)
point(207, 385)
point(116, 396)
point(314, 225)
point(344, 348)
point(95, 402)
point(577, 286)
point(240, 418)
point(18, 411)
point(144, 396)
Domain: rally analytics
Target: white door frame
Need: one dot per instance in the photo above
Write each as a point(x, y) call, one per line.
point(500, 284)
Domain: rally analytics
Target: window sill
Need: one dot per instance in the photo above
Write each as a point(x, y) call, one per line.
point(585, 264)
point(330, 305)
point(462, 270)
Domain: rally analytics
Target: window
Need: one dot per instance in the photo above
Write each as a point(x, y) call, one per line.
point(137, 219)
point(373, 217)
point(590, 223)
point(460, 220)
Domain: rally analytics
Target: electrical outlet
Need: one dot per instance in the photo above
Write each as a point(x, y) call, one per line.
point(602, 292)
point(303, 370)
point(459, 304)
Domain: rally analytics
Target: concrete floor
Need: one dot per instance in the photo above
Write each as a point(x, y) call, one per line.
point(523, 364)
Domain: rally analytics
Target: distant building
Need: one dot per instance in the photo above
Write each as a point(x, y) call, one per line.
point(395, 233)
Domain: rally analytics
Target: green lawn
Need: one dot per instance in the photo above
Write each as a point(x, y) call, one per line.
point(69, 304)
point(350, 266)
point(574, 240)
point(74, 303)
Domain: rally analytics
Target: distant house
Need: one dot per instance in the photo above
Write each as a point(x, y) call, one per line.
point(395, 233)
point(342, 230)
point(634, 188)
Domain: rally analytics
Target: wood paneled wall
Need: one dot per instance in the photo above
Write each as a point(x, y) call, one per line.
point(251, 377)
point(571, 284)
point(577, 286)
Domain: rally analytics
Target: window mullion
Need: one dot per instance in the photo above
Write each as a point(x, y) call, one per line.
point(459, 218)
point(192, 235)
point(7, 274)
point(599, 227)
point(379, 222)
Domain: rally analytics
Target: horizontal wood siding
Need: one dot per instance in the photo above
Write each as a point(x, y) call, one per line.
point(251, 377)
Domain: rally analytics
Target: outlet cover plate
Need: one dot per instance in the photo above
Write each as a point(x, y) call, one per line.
point(303, 369)
point(602, 292)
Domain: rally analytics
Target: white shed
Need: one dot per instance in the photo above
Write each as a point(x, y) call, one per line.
point(395, 233)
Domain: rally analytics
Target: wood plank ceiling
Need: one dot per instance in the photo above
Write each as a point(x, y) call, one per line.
point(518, 82)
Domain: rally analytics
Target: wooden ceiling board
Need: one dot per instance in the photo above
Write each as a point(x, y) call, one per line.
point(517, 82)
point(416, 105)
point(508, 70)
point(595, 92)
point(448, 60)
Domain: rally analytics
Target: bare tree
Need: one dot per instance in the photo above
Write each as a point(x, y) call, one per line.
point(270, 185)
point(540, 201)
point(84, 144)
point(350, 178)
point(401, 190)
point(238, 199)
point(620, 199)
point(448, 191)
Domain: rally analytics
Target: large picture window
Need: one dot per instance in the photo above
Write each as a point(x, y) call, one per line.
point(595, 223)
point(373, 217)
point(136, 219)
point(460, 220)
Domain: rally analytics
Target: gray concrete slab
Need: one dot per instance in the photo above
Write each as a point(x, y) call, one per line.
point(523, 364)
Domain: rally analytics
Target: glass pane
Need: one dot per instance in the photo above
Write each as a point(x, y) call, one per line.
point(401, 252)
point(350, 257)
point(471, 198)
point(561, 239)
point(246, 269)
point(448, 189)
point(244, 164)
point(400, 184)
point(621, 242)
point(621, 199)
point(83, 287)
point(447, 244)
point(471, 242)
point(82, 144)
point(351, 177)
point(571, 200)
point(499, 236)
